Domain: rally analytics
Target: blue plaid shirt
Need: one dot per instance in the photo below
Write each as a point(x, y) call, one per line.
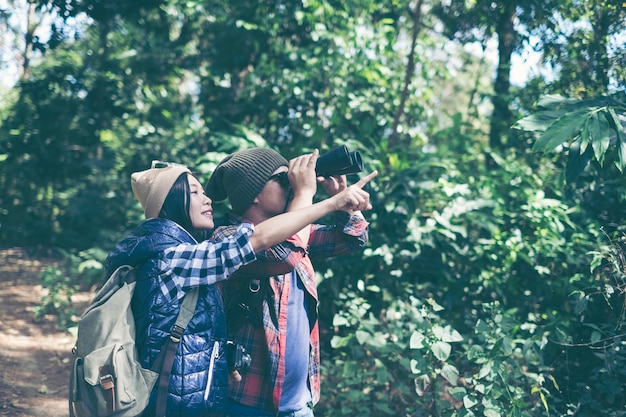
point(185, 266)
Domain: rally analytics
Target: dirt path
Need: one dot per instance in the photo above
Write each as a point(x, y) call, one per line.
point(34, 354)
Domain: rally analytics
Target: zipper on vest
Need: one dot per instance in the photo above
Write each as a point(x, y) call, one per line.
point(214, 354)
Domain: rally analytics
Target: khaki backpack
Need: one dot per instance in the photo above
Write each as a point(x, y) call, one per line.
point(106, 378)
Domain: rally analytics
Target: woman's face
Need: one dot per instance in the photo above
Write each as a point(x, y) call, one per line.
point(200, 208)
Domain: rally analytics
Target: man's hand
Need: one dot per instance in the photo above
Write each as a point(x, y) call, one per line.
point(302, 175)
point(234, 376)
point(334, 184)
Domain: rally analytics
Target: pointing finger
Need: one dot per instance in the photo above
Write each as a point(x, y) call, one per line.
point(361, 183)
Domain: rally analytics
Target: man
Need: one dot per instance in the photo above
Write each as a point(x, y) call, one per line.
point(271, 304)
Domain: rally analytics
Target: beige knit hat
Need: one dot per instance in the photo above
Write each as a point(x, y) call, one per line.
point(241, 176)
point(152, 186)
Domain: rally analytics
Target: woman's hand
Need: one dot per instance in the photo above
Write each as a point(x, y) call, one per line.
point(354, 197)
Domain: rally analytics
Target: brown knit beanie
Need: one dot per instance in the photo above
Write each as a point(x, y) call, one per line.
point(241, 176)
point(152, 186)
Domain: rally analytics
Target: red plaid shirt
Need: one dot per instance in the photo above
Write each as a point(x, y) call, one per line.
point(262, 385)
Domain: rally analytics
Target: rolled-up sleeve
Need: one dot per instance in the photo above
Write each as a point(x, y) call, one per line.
point(347, 235)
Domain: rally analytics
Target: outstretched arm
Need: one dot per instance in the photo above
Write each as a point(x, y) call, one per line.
point(278, 228)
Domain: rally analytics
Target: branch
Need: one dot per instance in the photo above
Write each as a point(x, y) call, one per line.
point(410, 68)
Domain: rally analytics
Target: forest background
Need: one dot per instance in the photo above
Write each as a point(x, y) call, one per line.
point(493, 283)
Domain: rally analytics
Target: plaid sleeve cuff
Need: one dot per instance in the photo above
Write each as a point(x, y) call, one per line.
point(353, 225)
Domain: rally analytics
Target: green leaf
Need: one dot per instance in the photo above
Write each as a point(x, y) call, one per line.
point(451, 335)
point(481, 327)
point(447, 334)
point(595, 336)
point(340, 321)
point(475, 352)
point(457, 392)
point(485, 370)
point(620, 161)
point(538, 122)
point(362, 337)
point(338, 341)
point(599, 131)
point(596, 260)
point(422, 383)
point(441, 350)
point(469, 401)
point(417, 340)
point(576, 163)
point(554, 100)
point(562, 130)
point(450, 373)
point(415, 368)
point(585, 138)
point(375, 340)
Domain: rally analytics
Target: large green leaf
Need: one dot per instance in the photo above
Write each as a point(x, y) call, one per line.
point(562, 130)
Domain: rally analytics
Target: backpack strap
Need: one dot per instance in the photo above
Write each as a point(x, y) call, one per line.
point(165, 360)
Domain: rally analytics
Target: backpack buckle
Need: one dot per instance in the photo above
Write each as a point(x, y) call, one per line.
point(106, 382)
point(176, 333)
point(106, 378)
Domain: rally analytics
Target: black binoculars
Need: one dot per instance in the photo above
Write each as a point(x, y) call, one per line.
point(339, 161)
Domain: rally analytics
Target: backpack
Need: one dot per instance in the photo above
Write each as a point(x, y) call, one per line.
point(106, 377)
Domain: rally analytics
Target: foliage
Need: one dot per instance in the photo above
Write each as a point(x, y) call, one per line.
point(488, 287)
point(58, 299)
point(79, 272)
point(457, 290)
point(589, 130)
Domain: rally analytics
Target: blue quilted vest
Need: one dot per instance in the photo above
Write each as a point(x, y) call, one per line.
point(199, 380)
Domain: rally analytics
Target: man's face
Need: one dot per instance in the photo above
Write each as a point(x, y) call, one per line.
point(272, 200)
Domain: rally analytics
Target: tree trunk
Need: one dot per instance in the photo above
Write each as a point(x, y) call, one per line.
point(501, 118)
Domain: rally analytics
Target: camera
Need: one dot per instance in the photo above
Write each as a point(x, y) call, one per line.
point(338, 161)
point(238, 359)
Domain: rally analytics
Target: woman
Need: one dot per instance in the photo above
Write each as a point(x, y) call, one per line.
point(171, 261)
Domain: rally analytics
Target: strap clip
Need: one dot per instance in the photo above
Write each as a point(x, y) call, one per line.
point(107, 382)
point(176, 333)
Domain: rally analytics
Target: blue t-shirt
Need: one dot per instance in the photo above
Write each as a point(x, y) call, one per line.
point(296, 391)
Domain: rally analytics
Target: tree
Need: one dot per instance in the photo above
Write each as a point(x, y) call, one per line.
point(478, 22)
point(23, 36)
point(580, 42)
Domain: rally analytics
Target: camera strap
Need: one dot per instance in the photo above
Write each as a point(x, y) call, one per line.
point(246, 309)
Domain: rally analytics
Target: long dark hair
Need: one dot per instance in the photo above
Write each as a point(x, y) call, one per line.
point(173, 209)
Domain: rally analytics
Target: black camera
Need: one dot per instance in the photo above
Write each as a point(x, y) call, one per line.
point(238, 359)
point(339, 161)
